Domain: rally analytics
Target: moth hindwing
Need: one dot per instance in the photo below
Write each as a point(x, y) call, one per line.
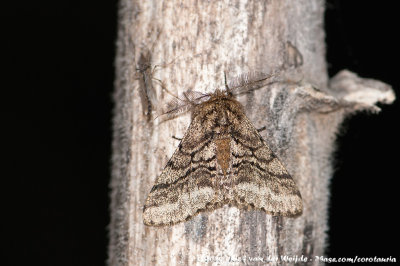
point(222, 159)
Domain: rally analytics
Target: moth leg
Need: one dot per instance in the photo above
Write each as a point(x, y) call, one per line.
point(174, 137)
point(261, 129)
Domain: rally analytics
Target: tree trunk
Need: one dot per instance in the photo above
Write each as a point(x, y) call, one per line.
point(189, 45)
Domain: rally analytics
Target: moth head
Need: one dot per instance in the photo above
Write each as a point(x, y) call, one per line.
point(187, 101)
point(190, 99)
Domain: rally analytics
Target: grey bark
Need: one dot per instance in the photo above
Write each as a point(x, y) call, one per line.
point(194, 42)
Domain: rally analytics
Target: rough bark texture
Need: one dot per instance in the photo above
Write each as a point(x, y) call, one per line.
point(194, 42)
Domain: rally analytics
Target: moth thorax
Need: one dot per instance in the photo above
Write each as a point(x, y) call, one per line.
point(223, 119)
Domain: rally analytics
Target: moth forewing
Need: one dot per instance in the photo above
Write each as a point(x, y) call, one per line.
point(221, 159)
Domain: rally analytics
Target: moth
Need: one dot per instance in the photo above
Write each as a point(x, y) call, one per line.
point(221, 159)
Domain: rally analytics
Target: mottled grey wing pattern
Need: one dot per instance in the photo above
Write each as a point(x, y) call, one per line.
point(186, 185)
point(260, 179)
point(222, 159)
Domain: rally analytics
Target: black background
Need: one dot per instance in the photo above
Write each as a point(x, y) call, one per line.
point(56, 113)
